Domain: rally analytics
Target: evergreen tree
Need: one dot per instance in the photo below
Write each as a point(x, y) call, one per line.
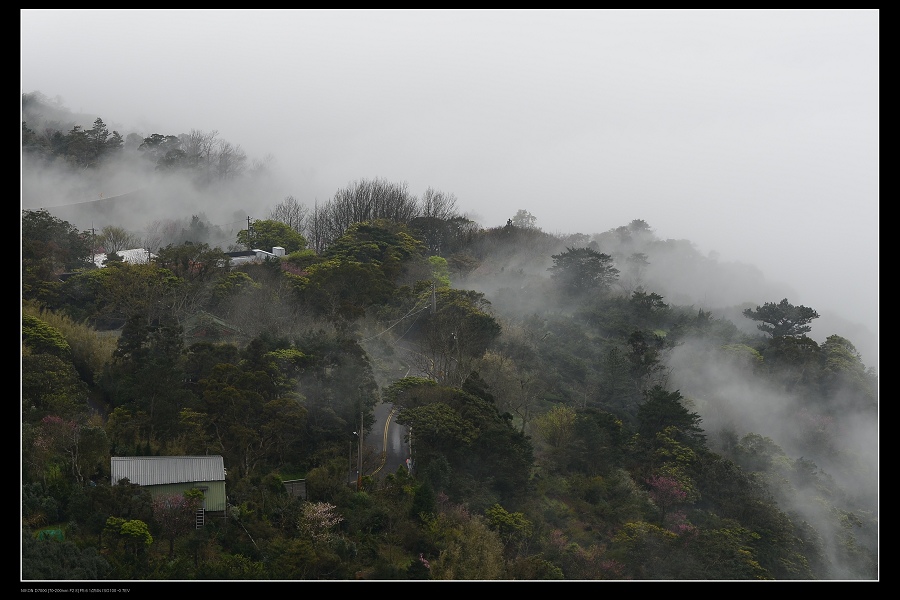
point(782, 319)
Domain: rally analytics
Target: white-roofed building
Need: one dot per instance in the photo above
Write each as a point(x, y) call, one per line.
point(135, 256)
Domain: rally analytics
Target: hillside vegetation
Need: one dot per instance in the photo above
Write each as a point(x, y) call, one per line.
point(578, 413)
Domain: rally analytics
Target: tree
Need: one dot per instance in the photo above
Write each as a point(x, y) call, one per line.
point(644, 358)
point(318, 521)
point(77, 149)
point(463, 434)
point(359, 202)
point(193, 262)
point(175, 514)
point(797, 361)
point(468, 548)
point(265, 235)
point(133, 532)
point(42, 338)
point(90, 351)
point(662, 410)
point(438, 204)
point(261, 167)
point(438, 224)
point(290, 212)
point(845, 375)
point(200, 149)
point(115, 239)
point(514, 528)
point(254, 416)
point(133, 141)
point(383, 243)
point(444, 236)
point(51, 246)
point(557, 426)
point(583, 270)
point(666, 492)
point(648, 308)
point(635, 266)
point(164, 151)
point(51, 386)
point(100, 143)
point(524, 219)
point(232, 160)
point(342, 290)
point(48, 560)
point(440, 271)
point(457, 333)
point(639, 226)
point(81, 448)
point(516, 386)
point(782, 319)
point(32, 143)
point(231, 399)
point(110, 295)
point(147, 375)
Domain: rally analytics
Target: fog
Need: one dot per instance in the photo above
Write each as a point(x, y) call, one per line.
point(840, 453)
point(751, 133)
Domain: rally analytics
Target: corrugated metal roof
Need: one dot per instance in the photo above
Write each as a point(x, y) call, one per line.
point(158, 470)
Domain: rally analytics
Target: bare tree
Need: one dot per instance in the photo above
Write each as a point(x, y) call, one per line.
point(292, 213)
point(438, 205)
point(160, 234)
point(231, 160)
point(315, 228)
point(190, 143)
point(153, 236)
point(516, 390)
point(114, 239)
point(200, 147)
point(261, 167)
point(366, 200)
point(438, 224)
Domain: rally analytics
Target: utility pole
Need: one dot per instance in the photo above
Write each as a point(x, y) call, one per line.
point(249, 232)
point(433, 298)
point(93, 245)
point(359, 458)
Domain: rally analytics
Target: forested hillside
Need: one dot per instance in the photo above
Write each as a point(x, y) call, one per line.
point(578, 413)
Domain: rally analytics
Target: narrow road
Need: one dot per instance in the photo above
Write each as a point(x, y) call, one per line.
point(387, 437)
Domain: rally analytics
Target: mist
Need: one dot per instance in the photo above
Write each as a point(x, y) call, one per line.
point(751, 133)
point(816, 456)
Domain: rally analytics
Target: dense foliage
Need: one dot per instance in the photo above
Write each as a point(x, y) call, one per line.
point(570, 422)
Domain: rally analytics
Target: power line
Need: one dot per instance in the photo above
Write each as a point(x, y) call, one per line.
point(409, 328)
point(118, 197)
point(398, 321)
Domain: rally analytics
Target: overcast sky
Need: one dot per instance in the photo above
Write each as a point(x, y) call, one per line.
point(752, 133)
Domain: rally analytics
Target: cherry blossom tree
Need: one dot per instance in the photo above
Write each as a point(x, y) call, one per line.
point(665, 493)
point(318, 519)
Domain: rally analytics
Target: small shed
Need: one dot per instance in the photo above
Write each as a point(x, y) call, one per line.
point(296, 488)
point(175, 475)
